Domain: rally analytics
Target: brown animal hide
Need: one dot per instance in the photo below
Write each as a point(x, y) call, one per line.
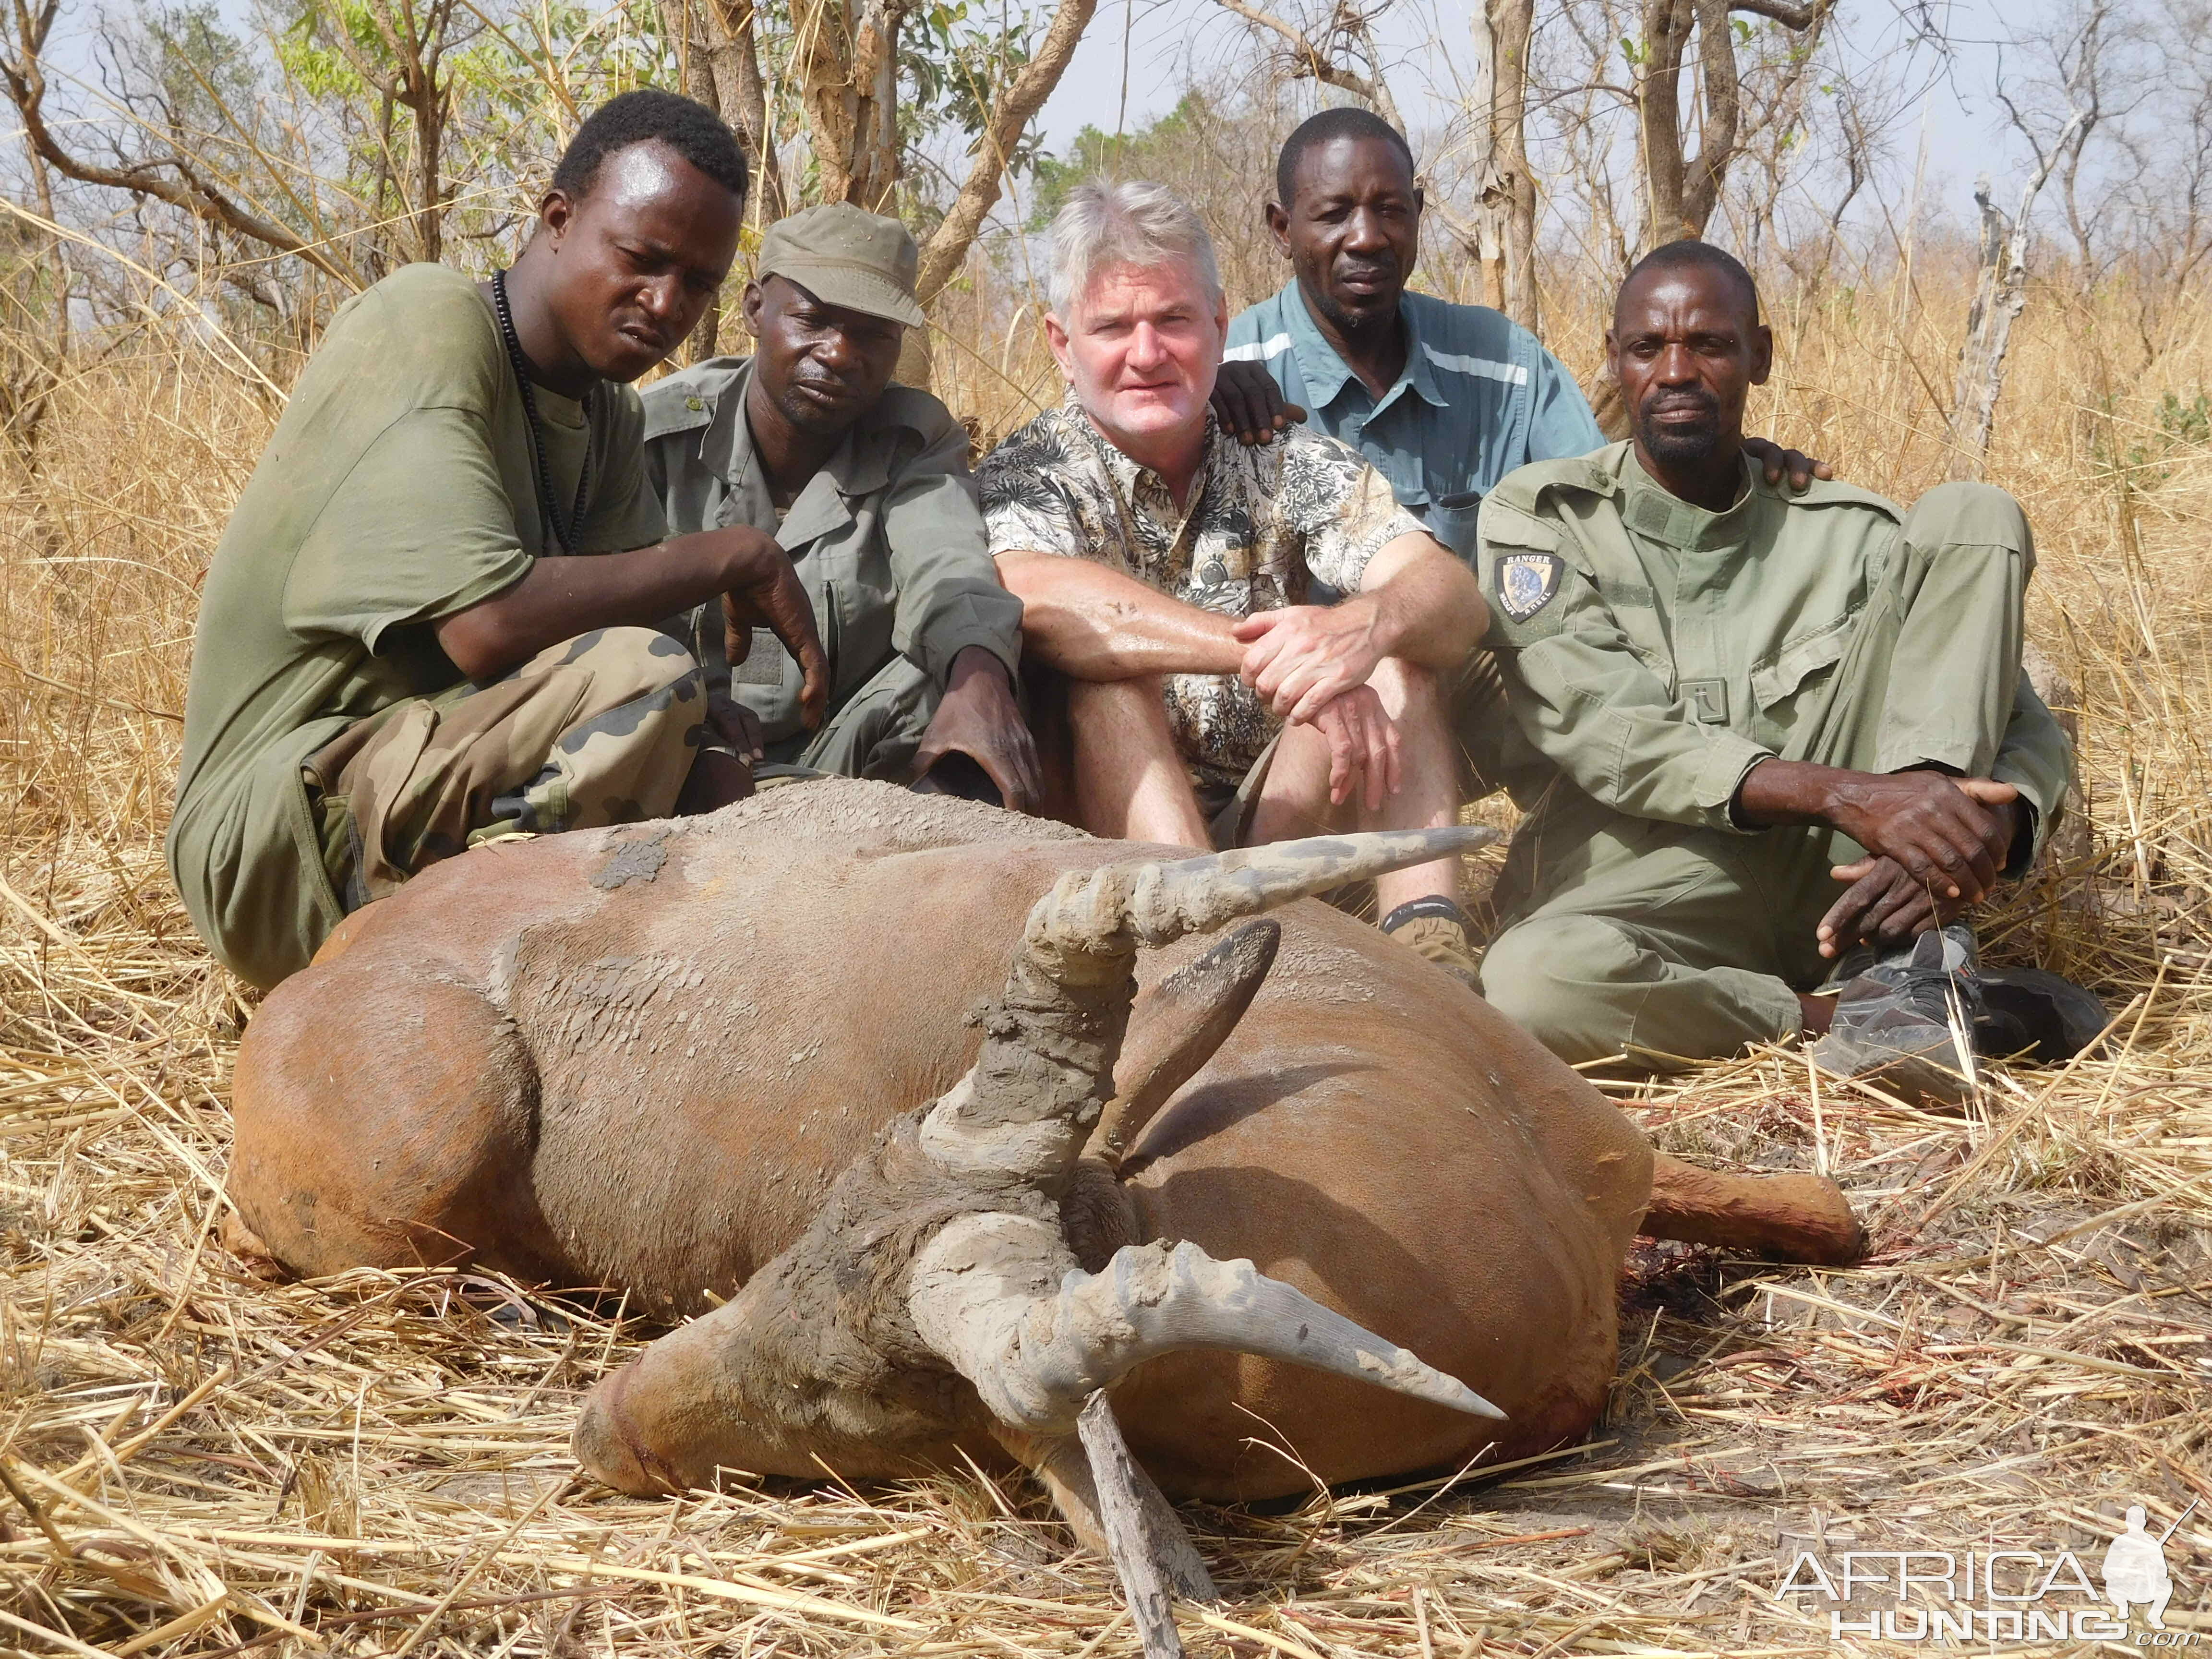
point(643, 1058)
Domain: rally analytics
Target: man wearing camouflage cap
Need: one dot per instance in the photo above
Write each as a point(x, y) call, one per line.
point(865, 486)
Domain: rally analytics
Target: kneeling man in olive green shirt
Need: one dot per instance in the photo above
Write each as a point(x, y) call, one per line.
point(1780, 742)
point(867, 485)
point(390, 664)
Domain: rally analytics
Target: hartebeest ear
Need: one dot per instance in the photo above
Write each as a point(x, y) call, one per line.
point(1177, 1027)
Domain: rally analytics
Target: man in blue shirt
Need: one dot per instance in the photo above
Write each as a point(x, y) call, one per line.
point(1444, 399)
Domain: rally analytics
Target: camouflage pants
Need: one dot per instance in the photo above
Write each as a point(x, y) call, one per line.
point(600, 729)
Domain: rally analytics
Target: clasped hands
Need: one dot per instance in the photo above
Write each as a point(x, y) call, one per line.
point(1935, 843)
point(1310, 665)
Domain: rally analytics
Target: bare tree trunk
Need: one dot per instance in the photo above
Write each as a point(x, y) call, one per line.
point(1487, 241)
point(1998, 297)
point(680, 20)
point(848, 67)
point(875, 76)
point(1502, 239)
point(1659, 120)
point(429, 167)
point(1681, 190)
point(741, 96)
point(1511, 24)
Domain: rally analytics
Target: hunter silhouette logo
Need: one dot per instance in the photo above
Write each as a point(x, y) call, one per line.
point(2135, 1568)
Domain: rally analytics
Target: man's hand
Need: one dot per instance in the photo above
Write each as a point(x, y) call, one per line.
point(762, 591)
point(1882, 906)
point(1305, 656)
point(1363, 747)
point(977, 717)
point(1773, 460)
point(1953, 835)
point(557, 600)
point(1250, 404)
point(740, 727)
point(1945, 832)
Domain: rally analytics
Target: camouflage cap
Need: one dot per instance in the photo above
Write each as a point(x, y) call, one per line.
point(845, 256)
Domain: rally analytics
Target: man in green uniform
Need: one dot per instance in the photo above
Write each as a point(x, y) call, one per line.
point(867, 485)
point(389, 667)
point(1773, 729)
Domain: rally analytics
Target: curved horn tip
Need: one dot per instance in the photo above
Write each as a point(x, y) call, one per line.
point(1325, 1338)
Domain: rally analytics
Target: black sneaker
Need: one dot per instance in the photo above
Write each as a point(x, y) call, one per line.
point(1895, 1018)
point(1894, 1014)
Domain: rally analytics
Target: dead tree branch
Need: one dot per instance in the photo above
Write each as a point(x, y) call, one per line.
point(175, 178)
point(1323, 61)
point(1998, 297)
point(1011, 113)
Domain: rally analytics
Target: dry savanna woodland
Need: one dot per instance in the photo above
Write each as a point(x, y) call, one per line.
point(196, 1462)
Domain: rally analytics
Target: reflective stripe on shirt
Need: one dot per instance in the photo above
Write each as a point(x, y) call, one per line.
point(1510, 373)
point(1259, 352)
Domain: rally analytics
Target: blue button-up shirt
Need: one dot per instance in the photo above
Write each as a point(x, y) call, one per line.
point(1478, 397)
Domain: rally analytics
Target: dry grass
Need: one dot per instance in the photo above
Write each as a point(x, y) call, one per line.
point(202, 1463)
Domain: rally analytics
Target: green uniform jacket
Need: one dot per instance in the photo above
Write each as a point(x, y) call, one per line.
point(1655, 652)
point(887, 538)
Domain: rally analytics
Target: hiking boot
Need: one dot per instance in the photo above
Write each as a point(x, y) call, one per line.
point(1895, 1017)
point(2023, 1012)
point(1436, 928)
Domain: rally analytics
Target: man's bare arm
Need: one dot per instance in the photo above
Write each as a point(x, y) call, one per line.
point(1092, 622)
point(561, 597)
point(1431, 610)
point(1416, 602)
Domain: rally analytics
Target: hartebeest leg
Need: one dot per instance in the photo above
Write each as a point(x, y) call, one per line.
point(1789, 1218)
point(433, 1171)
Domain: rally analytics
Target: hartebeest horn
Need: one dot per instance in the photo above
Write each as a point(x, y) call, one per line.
point(1189, 1016)
point(1118, 906)
point(1029, 1104)
point(1036, 1357)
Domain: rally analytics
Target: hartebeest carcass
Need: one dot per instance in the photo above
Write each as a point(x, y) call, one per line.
point(778, 1055)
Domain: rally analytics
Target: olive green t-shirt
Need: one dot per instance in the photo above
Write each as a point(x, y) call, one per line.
point(398, 489)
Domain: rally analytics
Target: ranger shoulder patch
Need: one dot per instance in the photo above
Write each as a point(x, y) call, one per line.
point(1526, 582)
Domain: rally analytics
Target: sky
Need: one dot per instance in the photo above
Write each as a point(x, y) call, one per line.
point(1137, 55)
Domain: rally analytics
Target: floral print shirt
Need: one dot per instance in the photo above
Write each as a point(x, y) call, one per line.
point(1292, 522)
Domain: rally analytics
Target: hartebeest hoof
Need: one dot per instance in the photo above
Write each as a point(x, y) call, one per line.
point(1787, 1218)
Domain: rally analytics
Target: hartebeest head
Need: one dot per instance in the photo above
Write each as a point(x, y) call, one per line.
point(937, 1291)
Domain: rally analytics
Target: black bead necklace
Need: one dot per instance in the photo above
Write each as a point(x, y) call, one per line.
point(563, 531)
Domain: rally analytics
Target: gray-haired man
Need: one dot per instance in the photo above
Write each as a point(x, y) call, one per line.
point(1253, 639)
